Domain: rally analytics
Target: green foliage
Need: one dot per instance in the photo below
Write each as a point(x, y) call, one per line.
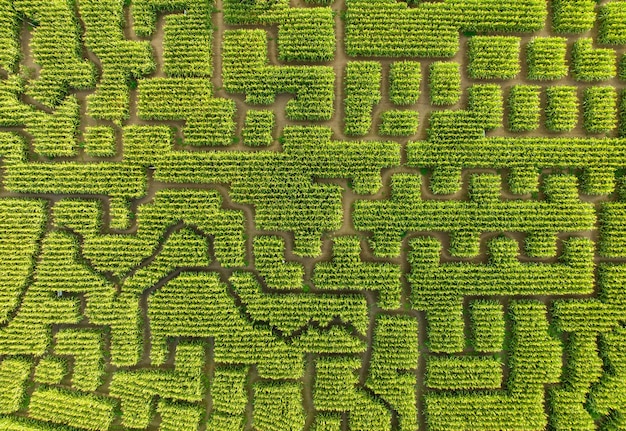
point(493, 57)
point(394, 359)
point(112, 179)
point(592, 64)
point(584, 368)
point(524, 108)
point(259, 128)
point(69, 408)
point(488, 327)
point(62, 68)
point(327, 422)
point(463, 373)
point(246, 70)
point(600, 109)
point(433, 282)
point(100, 141)
point(14, 373)
point(545, 57)
point(561, 108)
point(399, 123)
point(362, 86)
point(22, 223)
point(55, 135)
point(187, 36)
point(228, 390)
point(335, 390)
point(573, 16)
point(9, 41)
point(279, 283)
point(405, 78)
point(209, 120)
point(269, 260)
point(136, 389)
point(50, 370)
point(444, 83)
point(121, 60)
point(347, 271)
point(612, 19)
point(431, 29)
point(405, 211)
point(322, 309)
point(278, 407)
point(534, 362)
point(86, 348)
point(485, 102)
point(307, 35)
point(178, 417)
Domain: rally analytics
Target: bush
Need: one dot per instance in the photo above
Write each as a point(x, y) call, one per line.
point(494, 57)
point(445, 83)
point(545, 57)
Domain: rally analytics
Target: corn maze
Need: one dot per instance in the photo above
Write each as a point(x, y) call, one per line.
point(316, 215)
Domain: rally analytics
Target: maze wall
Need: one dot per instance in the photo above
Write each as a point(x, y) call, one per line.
point(275, 215)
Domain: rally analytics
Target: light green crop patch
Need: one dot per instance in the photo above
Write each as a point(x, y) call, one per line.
point(281, 215)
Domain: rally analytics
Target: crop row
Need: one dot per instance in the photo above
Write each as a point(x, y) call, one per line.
point(389, 220)
point(391, 29)
point(246, 70)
